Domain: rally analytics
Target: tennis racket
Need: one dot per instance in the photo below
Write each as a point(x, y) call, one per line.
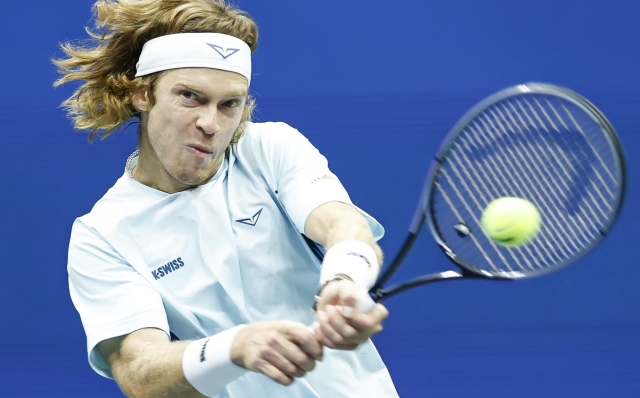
point(535, 141)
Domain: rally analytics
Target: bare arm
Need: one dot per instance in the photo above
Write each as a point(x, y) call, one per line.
point(335, 222)
point(339, 324)
point(146, 364)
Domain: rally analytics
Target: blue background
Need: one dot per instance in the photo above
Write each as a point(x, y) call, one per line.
point(375, 85)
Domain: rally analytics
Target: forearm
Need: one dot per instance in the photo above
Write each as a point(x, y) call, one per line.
point(145, 364)
point(336, 222)
point(351, 252)
point(153, 369)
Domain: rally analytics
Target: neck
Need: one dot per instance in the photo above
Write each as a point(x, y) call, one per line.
point(150, 172)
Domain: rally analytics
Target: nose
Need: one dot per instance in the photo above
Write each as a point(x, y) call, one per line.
point(207, 121)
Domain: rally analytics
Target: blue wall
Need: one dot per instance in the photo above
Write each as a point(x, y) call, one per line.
point(375, 85)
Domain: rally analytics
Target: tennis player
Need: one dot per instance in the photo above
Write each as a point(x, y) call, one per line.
point(195, 274)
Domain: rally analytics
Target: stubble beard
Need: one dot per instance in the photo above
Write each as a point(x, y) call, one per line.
point(200, 176)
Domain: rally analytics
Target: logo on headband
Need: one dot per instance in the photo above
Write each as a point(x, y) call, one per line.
point(224, 52)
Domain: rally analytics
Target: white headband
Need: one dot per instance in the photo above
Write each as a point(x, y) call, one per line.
point(195, 50)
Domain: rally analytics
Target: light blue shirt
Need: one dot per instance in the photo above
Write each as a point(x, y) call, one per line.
point(229, 252)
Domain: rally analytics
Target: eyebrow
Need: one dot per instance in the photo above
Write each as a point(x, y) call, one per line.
point(238, 93)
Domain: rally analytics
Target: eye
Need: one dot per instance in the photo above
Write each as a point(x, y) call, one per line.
point(232, 103)
point(188, 95)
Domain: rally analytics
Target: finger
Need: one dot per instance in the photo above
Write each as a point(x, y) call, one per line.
point(322, 339)
point(330, 344)
point(338, 293)
point(346, 294)
point(369, 320)
point(349, 296)
point(341, 335)
point(294, 354)
point(346, 347)
point(282, 363)
point(339, 323)
point(273, 373)
point(304, 362)
point(364, 324)
point(306, 339)
point(328, 336)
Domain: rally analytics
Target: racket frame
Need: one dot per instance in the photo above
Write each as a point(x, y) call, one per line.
point(424, 211)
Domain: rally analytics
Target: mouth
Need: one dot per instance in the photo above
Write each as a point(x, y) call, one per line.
point(200, 153)
point(201, 150)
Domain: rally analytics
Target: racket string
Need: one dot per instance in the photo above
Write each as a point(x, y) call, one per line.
point(476, 220)
point(532, 181)
point(560, 155)
point(519, 189)
point(596, 152)
point(478, 245)
point(528, 149)
point(562, 137)
point(485, 199)
point(593, 214)
point(549, 174)
point(494, 192)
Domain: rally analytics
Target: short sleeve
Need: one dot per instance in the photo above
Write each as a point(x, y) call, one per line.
point(303, 177)
point(113, 299)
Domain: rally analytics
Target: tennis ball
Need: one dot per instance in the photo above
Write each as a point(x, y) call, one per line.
point(511, 221)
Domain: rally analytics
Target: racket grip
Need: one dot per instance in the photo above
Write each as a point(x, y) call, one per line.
point(365, 302)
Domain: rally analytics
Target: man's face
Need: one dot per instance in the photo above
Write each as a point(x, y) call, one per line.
point(186, 132)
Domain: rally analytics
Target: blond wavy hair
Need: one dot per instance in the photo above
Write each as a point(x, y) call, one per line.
point(106, 63)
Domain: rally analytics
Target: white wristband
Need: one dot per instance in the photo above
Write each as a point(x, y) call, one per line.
point(207, 365)
point(352, 258)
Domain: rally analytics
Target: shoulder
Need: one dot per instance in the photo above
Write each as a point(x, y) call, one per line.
point(262, 133)
point(271, 139)
point(123, 198)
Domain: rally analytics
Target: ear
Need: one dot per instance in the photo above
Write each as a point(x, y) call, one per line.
point(140, 100)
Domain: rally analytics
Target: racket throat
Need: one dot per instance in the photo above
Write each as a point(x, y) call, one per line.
point(379, 294)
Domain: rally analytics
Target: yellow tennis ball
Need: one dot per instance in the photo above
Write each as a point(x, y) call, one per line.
point(511, 221)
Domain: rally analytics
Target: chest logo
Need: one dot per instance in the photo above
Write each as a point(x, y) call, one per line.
point(167, 268)
point(253, 220)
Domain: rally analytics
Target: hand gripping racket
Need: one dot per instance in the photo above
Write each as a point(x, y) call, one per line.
point(535, 141)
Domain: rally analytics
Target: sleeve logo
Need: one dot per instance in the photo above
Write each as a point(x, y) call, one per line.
point(324, 178)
